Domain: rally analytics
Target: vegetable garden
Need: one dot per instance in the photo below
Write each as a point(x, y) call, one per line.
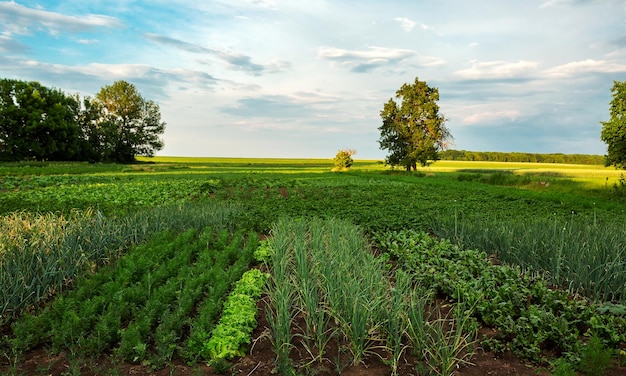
point(206, 266)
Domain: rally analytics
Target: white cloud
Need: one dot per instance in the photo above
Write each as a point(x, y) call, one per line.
point(431, 61)
point(490, 116)
point(426, 27)
point(556, 3)
point(90, 77)
point(87, 41)
point(586, 66)
point(405, 23)
point(497, 70)
point(361, 61)
point(18, 19)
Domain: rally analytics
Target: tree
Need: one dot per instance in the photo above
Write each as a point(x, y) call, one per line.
point(37, 122)
point(343, 160)
point(120, 124)
point(614, 130)
point(413, 131)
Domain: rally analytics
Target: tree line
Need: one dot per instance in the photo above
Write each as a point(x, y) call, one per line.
point(46, 124)
point(490, 156)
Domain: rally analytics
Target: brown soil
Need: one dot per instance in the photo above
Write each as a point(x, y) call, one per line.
point(260, 361)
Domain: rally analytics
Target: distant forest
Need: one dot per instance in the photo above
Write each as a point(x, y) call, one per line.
point(492, 156)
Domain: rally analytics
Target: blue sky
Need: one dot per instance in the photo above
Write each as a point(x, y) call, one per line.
point(305, 78)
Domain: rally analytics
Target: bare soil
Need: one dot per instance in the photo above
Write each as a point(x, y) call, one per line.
point(260, 361)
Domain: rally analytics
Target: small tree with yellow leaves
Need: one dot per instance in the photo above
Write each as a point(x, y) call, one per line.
point(343, 160)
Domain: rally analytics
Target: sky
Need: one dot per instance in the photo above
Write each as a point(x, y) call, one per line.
point(306, 78)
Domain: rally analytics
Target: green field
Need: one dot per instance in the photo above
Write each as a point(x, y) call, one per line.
point(65, 225)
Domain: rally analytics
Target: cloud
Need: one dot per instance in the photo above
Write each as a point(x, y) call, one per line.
point(18, 19)
point(556, 3)
point(489, 70)
point(9, 46)
point(240, 62)
point(364, 61)
point(586, 66)
point(91, 77)
point(297, 105)
point(491, 116)
point(87, 41)
point(619, 42)
point(179, 44)
point(405, 23)
point(235, 61)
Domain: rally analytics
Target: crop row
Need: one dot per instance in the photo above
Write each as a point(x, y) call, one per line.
point(328, 291)
point(529, 315)
point(110, 194)
point(40, 254)
point(162, 298)
point(585, 255)
point(323, 275)
point(580, 245)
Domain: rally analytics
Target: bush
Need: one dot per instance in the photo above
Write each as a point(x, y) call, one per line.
point(343, 160)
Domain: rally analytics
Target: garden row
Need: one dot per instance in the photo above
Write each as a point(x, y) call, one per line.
point(575, 242)
point(533, 319)
point(162, 299)
point(576, 239)
point(40, 254)
point(329, 292)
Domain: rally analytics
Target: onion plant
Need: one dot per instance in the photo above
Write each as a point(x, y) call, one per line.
point(418, 316)
point(449, 341)
point(582, 254)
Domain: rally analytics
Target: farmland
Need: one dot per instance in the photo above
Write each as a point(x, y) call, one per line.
point(142, 265)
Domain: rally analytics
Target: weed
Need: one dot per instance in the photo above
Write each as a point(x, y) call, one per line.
point(595, 357)
point(561, 367)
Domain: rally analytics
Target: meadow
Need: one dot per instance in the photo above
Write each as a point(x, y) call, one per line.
point(534, 251)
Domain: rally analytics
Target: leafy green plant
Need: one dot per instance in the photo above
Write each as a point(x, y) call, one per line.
point(238, 319)
point(527, 314)
point(140, 307)
point(264, 251)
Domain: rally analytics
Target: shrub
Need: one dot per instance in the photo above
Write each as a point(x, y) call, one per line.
point(343, 160)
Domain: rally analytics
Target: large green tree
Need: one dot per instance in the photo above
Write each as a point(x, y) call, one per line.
point(120, 124)
point(413, 131)
point(614, 130)
point(37, 122)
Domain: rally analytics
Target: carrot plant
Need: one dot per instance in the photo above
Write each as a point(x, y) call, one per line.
point(41, 253)
point(141, 307)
